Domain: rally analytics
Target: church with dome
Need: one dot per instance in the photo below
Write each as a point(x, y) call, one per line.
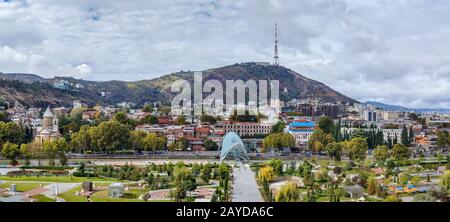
point(49, 130)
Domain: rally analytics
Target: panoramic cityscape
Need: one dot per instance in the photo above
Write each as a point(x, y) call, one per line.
point(89, 124)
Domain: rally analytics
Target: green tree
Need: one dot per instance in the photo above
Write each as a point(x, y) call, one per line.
point(223, 172)
point(360, 133)
point(62, 147)
point(112, 135)
point(395, 141)
point(11, 151)
point(149, 119)
point(310, 184)
point(137, 140)
point(278, 141)
point(94, 134)
point(317, 147)
point(181, 144)
point(122, 118)
point(181, 177)
point(11, 132)
point(148, 108)
point(400, 151)
point(172, 147)
point(81, 141)
point(180, 120)
point(356, 149)
point(206, 173)
point(411, 137)
point(278, 127)
point(389, 142)
point(413, 116)
point(51, 150)
point(211, 145)
point(445, 181)
point(334, 151)
point(150, 142)
point(319, 136)
point(208, 119)
point(26, 153)
point(372, 185)
point(150, 180)
point(337, 134)
point(403, 179)
point(404, 136)
point(443, 138)
point(3, 117)
point(164, 110)
point(266, 190)
point(381, 153)
point(326, 124)
point(277, 165)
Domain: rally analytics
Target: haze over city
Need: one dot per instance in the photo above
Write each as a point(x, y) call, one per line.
point(388, 51)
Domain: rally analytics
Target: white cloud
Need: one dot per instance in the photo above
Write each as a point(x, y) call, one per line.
point(83, 69)
point(8, 54)
point(392, 51)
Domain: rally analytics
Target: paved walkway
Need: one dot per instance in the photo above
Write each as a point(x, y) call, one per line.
point(245, 188)
point(34, 191)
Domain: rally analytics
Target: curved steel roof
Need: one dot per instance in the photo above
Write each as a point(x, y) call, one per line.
point(232, 146)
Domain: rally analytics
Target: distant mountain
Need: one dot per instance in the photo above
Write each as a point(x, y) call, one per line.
point(388, 107)
point(404, 109)
point(22, 77)
point(33, 90)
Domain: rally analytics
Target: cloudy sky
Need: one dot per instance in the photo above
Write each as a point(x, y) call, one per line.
point(390, 51)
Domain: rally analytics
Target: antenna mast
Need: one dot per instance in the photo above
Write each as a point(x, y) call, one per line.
point(276, 60)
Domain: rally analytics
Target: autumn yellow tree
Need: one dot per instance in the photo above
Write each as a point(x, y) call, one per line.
point(267, 173)
point(372, 186)
point(288, 193)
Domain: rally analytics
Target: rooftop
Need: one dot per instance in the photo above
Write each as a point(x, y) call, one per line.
point(302, 124)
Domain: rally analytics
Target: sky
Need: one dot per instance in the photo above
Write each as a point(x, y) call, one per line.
point(394, 52)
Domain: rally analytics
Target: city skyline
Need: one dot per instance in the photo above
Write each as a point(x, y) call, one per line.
point(369, 50)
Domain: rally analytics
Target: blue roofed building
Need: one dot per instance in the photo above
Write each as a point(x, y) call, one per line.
point(301, 131)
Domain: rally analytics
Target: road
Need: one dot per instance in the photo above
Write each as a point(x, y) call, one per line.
point(245, 188)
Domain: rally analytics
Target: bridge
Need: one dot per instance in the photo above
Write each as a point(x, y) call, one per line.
point(245, 188)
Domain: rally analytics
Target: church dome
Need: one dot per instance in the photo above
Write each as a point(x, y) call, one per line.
point(48, 112)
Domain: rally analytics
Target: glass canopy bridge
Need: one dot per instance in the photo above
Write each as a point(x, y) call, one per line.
point(233, 147)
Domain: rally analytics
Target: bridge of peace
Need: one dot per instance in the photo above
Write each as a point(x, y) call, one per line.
point(245, 188)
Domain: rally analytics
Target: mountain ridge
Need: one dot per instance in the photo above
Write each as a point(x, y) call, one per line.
point(390, 107)
point(157, 89)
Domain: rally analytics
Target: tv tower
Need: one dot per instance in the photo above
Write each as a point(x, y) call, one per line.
point(276, 60)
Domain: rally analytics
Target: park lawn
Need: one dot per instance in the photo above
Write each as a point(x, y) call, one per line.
point(57, 179)
point(102, 196)
point(42, 198)
point(70, 196)
point(323, 198)
point(23, 187)
point(326, 198)
point(136, 193)
point(370, 199)
point(102, 184)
